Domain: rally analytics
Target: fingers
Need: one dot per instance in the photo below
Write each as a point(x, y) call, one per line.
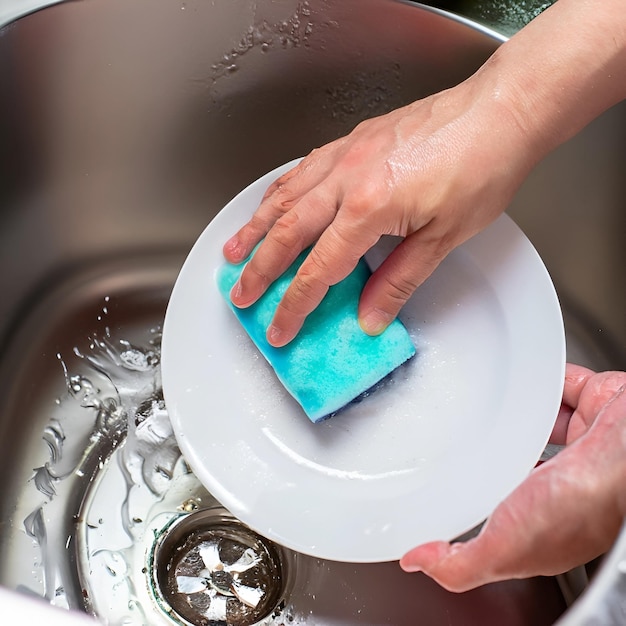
point(279, 198)
point(394, 282)
point(585, 393)
point(576, 377)
point(333, 257)
point(291, 233)
point(540, 529)
point(598, 391)
point(457, 567)
point(567, 512)
point(561, 425)
point(241, 244)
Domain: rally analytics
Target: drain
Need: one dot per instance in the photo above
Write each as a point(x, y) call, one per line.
point(209, 569)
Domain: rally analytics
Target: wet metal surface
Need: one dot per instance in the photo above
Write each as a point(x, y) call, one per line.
point(102, 489)
point(125, 127)
point(208, 567)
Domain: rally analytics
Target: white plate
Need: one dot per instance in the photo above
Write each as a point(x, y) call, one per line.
point(425, 458)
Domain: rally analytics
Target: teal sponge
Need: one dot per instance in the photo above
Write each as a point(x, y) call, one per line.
point(331, 361)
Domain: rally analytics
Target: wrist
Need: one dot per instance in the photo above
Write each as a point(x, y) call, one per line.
point(562, 70)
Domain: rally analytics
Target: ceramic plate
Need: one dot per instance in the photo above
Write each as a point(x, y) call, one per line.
point(426, 457)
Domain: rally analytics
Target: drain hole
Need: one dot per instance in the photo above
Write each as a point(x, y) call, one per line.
point(212, 570)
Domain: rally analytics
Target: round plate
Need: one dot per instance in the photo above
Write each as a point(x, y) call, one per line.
point(425, 457)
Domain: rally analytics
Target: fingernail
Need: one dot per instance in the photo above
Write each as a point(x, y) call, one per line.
point(235, 292)
point(274, 335)
point(233, 249)
point(409, 567)
point(375, 321)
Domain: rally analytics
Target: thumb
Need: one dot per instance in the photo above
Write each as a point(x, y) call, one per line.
point(455, 566)
point(394, 282)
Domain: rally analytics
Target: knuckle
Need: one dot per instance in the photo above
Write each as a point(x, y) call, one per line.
point(258, 225)
point(309, 290)
point(609, 384)
point(281, 195)
point(302, 297)
point(283, 198)
point(315, 265)
point(329, 265)
point(306, 290)
point(287, 231)
point(254, 273)
point(400, 288)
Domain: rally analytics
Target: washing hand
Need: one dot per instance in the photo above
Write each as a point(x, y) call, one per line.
point(410, 173)
point(567, 512)
point(434, 172)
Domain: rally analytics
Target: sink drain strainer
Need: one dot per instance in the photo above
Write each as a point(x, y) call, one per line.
point(209, 569)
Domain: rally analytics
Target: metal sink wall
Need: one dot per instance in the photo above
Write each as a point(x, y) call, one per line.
point(124, 128)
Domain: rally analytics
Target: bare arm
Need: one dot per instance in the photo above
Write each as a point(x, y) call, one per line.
point(434, 172)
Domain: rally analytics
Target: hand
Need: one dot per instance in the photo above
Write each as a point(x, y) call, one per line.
point(434, 172)
point(568, 511)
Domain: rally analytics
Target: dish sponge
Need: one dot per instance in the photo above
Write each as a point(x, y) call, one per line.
point(331, 361)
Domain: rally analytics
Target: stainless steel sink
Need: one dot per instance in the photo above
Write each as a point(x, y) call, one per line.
point(124, 128)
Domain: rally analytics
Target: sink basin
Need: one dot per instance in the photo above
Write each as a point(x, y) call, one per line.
point(125, 127)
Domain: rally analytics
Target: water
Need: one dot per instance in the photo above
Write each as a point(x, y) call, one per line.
point(101, 484)
point(112, 484)
point(292, 31)
point(356, 95)
point(209, 565)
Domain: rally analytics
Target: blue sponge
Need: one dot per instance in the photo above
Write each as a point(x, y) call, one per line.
point(331, 361)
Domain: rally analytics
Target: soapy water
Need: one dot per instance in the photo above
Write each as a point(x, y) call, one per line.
point(112, 484)
point(110, 479)
point(358, 95)
point(262, 34)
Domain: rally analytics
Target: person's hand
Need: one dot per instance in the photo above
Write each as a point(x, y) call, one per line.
point(567, 512)
point(434, 172)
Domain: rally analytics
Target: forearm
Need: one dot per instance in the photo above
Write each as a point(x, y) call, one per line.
point(561, 71)
point(434, 172)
